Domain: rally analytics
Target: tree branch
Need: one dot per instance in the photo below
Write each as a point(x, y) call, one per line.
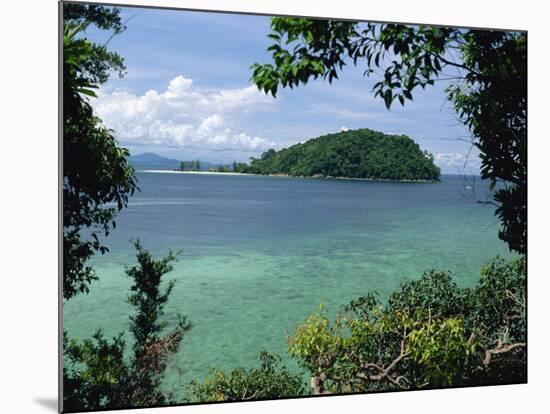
point(384, 372)
point(500, 349)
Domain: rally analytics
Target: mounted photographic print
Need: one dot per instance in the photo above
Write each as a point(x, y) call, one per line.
point(259, 207)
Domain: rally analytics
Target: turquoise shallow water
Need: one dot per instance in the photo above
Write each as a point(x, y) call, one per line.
point(260, 253)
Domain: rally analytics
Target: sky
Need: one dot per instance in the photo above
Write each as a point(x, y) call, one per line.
point(187, 95)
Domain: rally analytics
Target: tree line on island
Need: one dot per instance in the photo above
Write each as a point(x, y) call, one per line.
point(429, 333)
point(360, 153)
point(193, 165)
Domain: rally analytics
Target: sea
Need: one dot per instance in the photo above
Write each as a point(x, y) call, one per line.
point(258, 255)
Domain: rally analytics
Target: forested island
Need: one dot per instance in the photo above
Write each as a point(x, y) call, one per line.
point(361, 154)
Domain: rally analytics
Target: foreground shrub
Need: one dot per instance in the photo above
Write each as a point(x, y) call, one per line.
point(96, 375)
point(430, 333)
point(270, 380)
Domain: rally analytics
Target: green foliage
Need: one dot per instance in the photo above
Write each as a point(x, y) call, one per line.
point(194, 165)
point(318, 51)
point(442, 349)
point(361, 153)
point(240, 167)
point(269, 380)
point(97, 182)
point(502, 286)
point(94, 372)
point(497, 318)
point(429, 334)
point(96, 375)
point(435, 290)
point(316, 342)
point(104, 18)
point(489, 93)
point(97, 65)
point(151, 349)
point(492, 103)
point(97, 179)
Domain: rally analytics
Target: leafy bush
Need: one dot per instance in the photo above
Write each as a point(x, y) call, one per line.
point(429, 334)
point(96, 375)
point(270, 380)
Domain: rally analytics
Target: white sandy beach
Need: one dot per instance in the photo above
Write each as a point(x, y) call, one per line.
point(314, 177)
point(192, 172)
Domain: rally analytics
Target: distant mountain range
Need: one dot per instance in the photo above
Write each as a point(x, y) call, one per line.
point(152, 161)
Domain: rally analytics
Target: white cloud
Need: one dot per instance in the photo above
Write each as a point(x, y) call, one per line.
point(457, 163)
point(344, 129)
point(184, 116)
point(212, 122)
point(178, 86)
point(230, 99)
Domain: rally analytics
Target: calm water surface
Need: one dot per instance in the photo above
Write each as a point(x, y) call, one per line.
point(260, 253)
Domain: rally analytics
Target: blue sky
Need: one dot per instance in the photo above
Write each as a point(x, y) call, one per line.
point(187, 95)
